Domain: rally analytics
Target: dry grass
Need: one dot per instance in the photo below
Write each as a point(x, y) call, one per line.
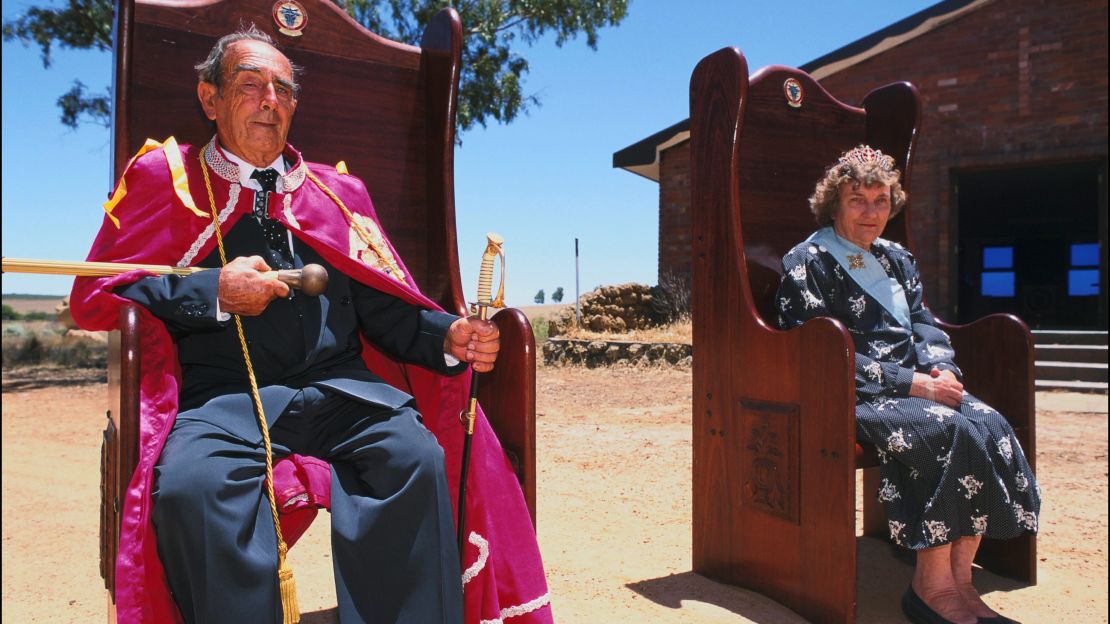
point(680, 332)
point(33, 303)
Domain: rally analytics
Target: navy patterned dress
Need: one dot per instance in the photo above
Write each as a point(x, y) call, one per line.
point(946, 473)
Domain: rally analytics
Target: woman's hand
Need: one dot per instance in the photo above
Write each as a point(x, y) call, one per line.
point(940, 386)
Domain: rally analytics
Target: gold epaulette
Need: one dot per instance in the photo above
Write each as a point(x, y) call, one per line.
point(177, 175)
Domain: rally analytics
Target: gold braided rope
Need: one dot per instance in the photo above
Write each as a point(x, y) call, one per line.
point(384, 257)
point(289, 607)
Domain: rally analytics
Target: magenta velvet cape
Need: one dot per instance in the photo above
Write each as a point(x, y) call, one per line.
point(503, 575)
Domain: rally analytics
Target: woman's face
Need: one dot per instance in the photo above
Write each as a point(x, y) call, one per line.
point(862, 213)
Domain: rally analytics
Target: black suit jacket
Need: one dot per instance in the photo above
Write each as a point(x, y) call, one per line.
point(294, 343)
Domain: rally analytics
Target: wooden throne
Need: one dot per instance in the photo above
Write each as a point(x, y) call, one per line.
point(775, 454)
point(387, 109)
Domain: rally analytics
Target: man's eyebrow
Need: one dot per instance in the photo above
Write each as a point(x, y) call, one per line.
point(256, 69)
point(245, 67)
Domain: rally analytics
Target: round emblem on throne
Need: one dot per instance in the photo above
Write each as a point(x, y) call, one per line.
point(793, 91)
point(290, 17)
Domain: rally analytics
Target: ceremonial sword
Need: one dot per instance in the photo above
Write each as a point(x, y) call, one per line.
point(312, 280)
point(481, 307)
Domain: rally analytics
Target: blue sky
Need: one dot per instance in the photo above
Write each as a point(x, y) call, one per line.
point(540, 182)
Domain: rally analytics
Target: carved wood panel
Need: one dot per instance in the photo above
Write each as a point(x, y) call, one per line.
point(770, 454)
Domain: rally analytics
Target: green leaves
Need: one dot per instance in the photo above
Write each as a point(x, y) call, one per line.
point(492, 65)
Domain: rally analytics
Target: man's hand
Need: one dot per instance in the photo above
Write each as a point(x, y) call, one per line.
point(473, 340)
point(940, 386)
point(243, 290)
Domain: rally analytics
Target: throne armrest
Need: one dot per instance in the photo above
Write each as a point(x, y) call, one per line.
point(995, 354)
point(508, 397)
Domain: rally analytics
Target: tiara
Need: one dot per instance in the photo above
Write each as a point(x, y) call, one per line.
point(867, 155)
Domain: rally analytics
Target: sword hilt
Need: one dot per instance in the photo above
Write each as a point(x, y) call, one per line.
point(494, 249)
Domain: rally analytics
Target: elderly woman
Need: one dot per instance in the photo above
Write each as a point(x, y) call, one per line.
point(952, 471)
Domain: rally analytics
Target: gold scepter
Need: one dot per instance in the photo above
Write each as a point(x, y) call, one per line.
point(481, 307)
point(312, 280)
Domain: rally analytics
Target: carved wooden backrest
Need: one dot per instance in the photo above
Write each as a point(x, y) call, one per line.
point(792, 130)
point(385, 108)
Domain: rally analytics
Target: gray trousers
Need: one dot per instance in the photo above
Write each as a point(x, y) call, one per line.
point(393, 542)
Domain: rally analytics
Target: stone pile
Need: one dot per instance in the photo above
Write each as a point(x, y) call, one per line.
point(610, 309)
point(594, 353)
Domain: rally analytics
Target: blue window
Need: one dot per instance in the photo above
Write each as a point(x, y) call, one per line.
point(1084, 254)
point(999, 258)
point(1082, 282)
point(998, 284)
point(995, 282)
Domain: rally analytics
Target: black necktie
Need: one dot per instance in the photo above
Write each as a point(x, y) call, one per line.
point(280, 256)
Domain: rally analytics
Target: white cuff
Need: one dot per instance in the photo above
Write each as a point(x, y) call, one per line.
point(449, 359)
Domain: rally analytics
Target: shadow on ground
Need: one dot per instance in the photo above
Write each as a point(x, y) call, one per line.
point(883, 571)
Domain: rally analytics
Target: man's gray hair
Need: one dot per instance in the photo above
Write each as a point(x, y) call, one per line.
point(211, 69)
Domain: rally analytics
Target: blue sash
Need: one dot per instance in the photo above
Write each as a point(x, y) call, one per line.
point(866, 271)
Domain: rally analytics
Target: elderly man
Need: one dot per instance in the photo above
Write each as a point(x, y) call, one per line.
point(395, 557)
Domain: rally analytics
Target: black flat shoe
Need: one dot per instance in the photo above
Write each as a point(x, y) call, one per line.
point(916, 611)
point(998, 619)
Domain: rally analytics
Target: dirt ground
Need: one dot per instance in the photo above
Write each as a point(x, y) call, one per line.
point(614, 509)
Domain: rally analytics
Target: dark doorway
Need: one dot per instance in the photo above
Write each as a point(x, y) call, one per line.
point(1032, 242)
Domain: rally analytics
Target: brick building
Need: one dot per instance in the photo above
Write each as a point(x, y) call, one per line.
point(1008, 190)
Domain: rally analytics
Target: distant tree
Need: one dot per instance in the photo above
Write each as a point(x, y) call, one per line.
point(557, 296)
point(10, 314)
point(492, 68)
point(539, 296)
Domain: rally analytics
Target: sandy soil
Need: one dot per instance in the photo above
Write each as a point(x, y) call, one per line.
point(614, 509)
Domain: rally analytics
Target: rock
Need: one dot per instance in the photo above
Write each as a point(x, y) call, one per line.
point(655, 352)
point(613, 353)
point(597, 346)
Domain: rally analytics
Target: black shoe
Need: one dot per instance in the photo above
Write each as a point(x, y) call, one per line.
point(997, 619)
point(916, 611)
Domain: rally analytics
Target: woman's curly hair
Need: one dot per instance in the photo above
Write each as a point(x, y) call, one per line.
point(861, 165)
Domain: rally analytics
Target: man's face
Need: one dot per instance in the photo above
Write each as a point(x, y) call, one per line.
point(255, 104)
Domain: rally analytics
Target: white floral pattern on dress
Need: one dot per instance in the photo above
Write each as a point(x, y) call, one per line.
point(880, 349)
point(896, 530)
point(874, 371)
point(798, 273)
point(937, 531)
point(971, 484)
point(915, 473)
point(1005, 449)
point(888, 492)
point(811, 300)
point(784, 304)
point(945, 459)
point(938, 353)
point(886, 263)
point(897, 443)
point(859, 305)
point(979, 524)
point(882, 404)
point(1021, 482)
point(980, 406)
point(1026, 519)
point(883, 456)
point(941, 412)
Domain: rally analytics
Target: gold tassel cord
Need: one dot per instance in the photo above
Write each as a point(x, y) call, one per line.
point(289, 607)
